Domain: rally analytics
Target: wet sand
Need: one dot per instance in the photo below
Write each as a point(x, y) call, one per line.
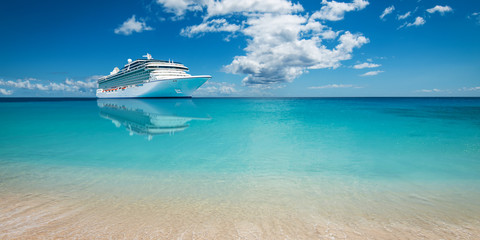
point(243, 209)
point(49, 218)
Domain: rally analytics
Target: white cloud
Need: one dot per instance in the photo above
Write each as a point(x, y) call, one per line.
point(441, 9)
point(215, 25)
point(406, 15)
point(335, 11)
point(277, 53)
point(418, 22)
point(26, 84)
point(469, 89)
point(282, 43)
point(5, 92)
point(88, 84)
point(430, 90)
point(179, 7)
point(132, 25)
point(371, 73)
point(387, 11)
point(436, 90)
point(226, 7)
point(69, 85)
point(216, 89)
point(334, 86)
point(366, 65)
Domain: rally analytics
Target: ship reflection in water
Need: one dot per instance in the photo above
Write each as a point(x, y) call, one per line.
point(151, 117)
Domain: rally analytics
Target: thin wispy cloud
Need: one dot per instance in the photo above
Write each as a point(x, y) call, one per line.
point(419, 21)
point(404, 16)
point(334, 86)
point(366, 65)
point(387, 11)
point(179, 7)
point(371, 73)
point(475, 16)
point(469, 89)
point(131, 25)
point(435, 90)
point(214, 25)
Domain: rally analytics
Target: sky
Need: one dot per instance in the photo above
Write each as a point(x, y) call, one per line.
point(251, 48)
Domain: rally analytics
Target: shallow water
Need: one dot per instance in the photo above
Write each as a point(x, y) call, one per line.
point(354, 168)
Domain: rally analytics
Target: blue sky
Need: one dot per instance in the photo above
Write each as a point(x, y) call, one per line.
point(251, 48)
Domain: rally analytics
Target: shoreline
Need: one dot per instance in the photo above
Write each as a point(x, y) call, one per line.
point(166, 205)
point(49, 217)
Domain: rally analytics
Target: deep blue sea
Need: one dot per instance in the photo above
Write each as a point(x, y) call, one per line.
point(240, 168)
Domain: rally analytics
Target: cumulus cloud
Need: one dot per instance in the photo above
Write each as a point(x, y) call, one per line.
point(216, 88)
point(282, 42)
point(371, 73)
point(440, 9)
point(366, 65)
point(334, 86)
point(406, 15)
point(335, 11)
point(276, 55)
point(5, 92)
point(387, 11)
point(68, 85)
point(132, 25)
point(215, 25)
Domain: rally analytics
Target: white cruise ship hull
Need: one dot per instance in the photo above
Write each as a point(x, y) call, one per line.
point(176, 87)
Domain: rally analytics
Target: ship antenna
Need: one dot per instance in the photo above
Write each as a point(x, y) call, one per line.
point(148, 56)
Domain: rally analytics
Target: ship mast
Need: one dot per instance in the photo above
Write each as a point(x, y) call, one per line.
point(148, 56)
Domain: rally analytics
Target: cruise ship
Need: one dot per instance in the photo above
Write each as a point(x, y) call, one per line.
point(149, 78)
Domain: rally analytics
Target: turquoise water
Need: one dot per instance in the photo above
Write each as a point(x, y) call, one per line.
point(395, 159)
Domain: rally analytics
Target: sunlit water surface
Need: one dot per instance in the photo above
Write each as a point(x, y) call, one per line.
point(354, 168)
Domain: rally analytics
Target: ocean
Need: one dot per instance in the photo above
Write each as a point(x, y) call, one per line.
point(240, 168)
